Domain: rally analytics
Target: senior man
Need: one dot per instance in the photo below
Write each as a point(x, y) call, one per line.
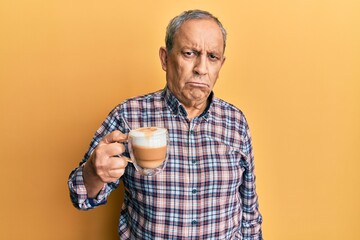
point(207, 188)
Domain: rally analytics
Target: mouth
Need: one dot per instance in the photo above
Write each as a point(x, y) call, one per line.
point(198, 84)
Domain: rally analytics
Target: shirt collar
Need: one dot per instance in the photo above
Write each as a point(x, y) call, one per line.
point(178, 109)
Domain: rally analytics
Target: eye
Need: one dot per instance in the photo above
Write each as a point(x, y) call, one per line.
point(213, 57)
point(188, 53)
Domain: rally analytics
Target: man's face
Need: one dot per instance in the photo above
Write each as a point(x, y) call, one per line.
point(192, 66)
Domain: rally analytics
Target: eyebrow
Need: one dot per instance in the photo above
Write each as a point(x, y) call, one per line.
point(194, 48)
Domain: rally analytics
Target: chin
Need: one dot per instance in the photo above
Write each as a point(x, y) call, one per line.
point(198, 94)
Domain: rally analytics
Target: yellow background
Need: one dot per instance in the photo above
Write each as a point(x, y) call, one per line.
point(292, 66)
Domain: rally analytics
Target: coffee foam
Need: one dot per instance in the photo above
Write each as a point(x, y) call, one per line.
point(149, 137)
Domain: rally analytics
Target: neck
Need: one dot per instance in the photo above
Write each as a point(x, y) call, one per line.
point(194, 110)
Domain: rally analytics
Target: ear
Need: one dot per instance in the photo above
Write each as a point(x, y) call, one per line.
point(223, 61)
point(163, 54)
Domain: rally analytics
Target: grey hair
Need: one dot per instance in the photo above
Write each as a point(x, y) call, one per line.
point(177, 22)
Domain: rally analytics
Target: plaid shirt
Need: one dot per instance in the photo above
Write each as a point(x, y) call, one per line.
point(207, 189)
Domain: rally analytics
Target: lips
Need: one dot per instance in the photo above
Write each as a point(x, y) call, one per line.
point(198, 84)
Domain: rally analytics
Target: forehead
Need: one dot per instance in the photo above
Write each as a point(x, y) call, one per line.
point(199, 32)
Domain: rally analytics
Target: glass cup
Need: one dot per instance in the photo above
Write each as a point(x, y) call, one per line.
point(148, 148)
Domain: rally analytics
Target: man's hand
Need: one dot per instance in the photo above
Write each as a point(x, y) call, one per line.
point(106, 164)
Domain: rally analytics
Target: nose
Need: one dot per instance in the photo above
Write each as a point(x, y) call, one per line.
point(200, 67)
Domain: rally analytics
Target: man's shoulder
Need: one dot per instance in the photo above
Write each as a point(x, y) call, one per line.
point(227, 107)
point(224, 111)
point(138, 103)
point(145, 97)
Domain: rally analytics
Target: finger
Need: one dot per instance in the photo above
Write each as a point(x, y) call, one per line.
point(118, 163)
point(115, 174)
point(113, 149)
point(115, 136)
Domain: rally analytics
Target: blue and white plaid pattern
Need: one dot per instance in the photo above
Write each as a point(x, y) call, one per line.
point(207, 189)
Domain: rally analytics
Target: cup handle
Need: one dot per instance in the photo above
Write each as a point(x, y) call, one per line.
point(128, 160)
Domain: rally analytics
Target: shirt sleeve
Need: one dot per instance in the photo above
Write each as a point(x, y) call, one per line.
point(251, 218)
point(78, 193)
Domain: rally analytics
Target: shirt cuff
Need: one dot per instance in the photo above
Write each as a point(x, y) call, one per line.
point(78, 191)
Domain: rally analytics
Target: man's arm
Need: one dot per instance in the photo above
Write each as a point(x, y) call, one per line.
point(78, 192)
point(251, 219)
point(92, 182)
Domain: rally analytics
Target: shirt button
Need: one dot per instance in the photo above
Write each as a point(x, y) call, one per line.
point(194, 191)
point(194, 222)
point(194, 161)
point(191, 132)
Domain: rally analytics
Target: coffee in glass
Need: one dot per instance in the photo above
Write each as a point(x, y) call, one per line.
point(148, 149)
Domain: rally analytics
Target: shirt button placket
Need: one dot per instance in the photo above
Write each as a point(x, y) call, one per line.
point(191, 137)
point(193, 185)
